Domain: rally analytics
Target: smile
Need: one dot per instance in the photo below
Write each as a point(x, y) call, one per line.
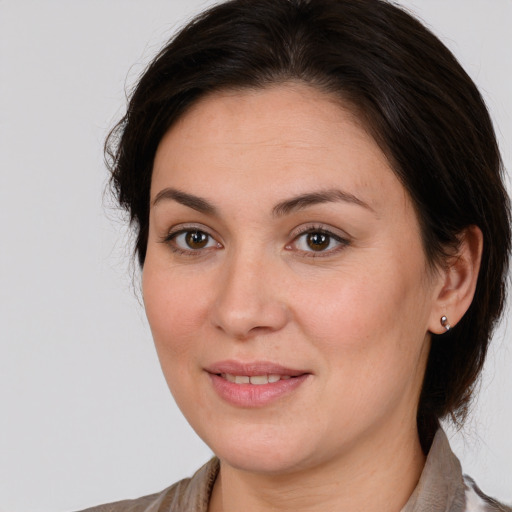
point(257, 380)
point(255, 384)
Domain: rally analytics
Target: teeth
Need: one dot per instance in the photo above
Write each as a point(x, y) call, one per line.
point(259, 379)
point(255, 379)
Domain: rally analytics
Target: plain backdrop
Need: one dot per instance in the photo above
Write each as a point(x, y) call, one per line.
point(85, 414)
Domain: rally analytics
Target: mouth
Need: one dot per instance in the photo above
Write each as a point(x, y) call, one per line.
point(256, 372)
point(256, 380)
point(254, 384)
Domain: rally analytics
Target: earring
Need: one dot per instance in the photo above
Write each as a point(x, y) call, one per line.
point(445, 324)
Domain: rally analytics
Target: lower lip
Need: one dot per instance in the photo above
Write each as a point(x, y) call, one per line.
point(255, 395)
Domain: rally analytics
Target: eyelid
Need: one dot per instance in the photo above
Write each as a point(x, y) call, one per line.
point(342, 237)
point(323, 228)
point(179, 229)
point(187, 226)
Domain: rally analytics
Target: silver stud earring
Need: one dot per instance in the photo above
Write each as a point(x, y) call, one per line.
point(445, 324)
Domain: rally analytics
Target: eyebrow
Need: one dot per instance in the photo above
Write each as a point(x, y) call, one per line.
point(279, 210)
point(325, 196)
point(195, 202)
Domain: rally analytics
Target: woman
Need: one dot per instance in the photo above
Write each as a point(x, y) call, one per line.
point(323, 233)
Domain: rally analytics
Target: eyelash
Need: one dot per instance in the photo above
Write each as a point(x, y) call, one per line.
point(171, 237)
point(342, 242)
point(316, 229)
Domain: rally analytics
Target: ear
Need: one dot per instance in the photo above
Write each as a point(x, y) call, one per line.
point(458, 280)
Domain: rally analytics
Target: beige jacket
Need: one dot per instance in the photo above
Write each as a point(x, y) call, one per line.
point(442, 488)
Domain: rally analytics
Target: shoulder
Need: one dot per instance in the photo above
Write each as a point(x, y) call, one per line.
point(443, 486)
point(190, 494)
point(152, 502)
point(160, 501)
point(477, 501)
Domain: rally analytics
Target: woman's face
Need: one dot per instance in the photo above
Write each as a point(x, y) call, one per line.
point(285, 281)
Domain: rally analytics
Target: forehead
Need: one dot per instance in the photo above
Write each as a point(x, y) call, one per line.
point(288, 137)
point(243, 113)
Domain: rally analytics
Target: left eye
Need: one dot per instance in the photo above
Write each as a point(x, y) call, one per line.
point(317, 241)
point(193, 240)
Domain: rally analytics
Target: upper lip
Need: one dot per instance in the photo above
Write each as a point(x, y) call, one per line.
point(252, 368)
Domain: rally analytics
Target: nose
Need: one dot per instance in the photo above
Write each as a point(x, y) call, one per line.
point(249, 299)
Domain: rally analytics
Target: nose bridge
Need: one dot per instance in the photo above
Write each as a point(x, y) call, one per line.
point(248, 299)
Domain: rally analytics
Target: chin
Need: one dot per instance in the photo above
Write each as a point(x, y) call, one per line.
point(265, 450)
point(266, 460)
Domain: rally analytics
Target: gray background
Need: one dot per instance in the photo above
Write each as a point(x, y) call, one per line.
point(85, 415)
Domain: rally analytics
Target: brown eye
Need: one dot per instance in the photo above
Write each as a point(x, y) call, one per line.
point(196, 239)
point(191, 241)
point(318, 241)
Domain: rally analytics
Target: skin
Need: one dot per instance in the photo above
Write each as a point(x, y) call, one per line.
point(356, 315)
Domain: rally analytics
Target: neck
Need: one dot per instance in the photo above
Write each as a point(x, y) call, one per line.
point(379, 476)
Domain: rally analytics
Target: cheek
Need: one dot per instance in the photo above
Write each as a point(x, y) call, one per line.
point(370, 335)
point(175, 309)
point(345, 308)
point(373, 317)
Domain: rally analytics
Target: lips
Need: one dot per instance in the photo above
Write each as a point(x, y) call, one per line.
point(253, 369)
point(254, 384)
point(257, 380)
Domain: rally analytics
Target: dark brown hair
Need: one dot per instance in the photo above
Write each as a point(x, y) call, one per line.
point(412, 94)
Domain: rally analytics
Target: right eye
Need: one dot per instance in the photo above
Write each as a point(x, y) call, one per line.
point(191, 241)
